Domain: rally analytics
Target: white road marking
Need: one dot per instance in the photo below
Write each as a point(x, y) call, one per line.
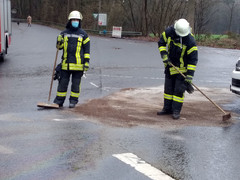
point(128, 77)
point(5, 150)
point(58, 119)
point(141, 166)
point(117, 76)
point(94, 84)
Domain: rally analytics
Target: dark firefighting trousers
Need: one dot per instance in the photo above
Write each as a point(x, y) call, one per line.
point(173, 93)
point(63, 86)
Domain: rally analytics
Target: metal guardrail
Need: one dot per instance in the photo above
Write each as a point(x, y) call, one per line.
point(18, 20)
point(131, 33)
point(124, 33)
point(104, 32)
point(38, 22)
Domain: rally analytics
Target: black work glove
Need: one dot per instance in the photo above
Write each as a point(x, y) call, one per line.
point(182, 88)
point(57, 74)
point(185, 86)
point(190, 88)
point(188, 82)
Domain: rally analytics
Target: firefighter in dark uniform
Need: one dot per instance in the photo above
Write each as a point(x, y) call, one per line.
point(75, 44)
point(177, 45)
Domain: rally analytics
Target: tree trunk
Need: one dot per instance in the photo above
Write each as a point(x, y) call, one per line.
point(191, 13)
point(145, 18)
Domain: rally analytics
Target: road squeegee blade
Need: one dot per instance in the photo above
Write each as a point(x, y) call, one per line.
point(48, 105)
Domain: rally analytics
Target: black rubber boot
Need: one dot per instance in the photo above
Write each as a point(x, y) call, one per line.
point(176, 115)
point(164, 112)
point(59, 101)
point(60, 105)
point(72, 105)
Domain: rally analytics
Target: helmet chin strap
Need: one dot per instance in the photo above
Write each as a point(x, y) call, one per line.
point(181, 42)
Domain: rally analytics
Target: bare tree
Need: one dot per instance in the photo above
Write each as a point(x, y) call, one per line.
point(145, 14)
point(203, 12)
point(137, 15)
point(230, 4)
point(191, 13)
point(164, 13)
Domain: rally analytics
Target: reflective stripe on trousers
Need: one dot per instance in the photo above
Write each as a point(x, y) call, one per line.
point(173, 97)
point(63, 86)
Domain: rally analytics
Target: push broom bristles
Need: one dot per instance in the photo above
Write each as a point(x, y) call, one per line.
point(226, 117)
point(48, 105)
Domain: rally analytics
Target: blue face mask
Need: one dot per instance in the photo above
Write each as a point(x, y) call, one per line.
point(75, 24)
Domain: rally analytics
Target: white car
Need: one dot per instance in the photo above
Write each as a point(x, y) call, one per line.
point(235, 85)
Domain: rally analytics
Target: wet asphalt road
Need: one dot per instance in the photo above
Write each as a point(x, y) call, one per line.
point(56, 144)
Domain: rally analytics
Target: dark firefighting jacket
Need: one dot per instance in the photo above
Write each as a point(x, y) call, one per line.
point(181, 51)
point(76, 49)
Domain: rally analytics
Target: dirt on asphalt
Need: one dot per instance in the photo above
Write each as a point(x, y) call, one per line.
point(138, 107)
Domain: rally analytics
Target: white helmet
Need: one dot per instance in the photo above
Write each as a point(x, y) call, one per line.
point(182, 27)
point(75, 15)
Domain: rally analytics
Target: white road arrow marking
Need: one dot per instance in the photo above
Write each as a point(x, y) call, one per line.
point(142, 166)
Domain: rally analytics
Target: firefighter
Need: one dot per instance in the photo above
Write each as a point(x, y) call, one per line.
point(177, 45)
point(75, 44)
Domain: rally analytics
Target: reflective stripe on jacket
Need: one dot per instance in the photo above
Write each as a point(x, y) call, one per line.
point(181, 51)
point(76, 49)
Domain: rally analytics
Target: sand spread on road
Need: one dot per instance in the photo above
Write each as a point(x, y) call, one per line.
point(138, 107)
